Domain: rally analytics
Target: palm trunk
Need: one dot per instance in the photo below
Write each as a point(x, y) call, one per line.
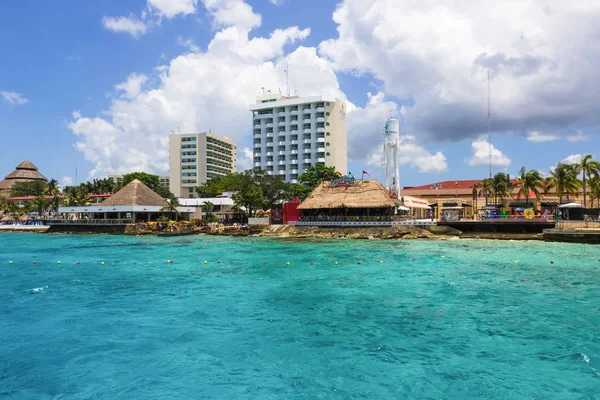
point(584, 194)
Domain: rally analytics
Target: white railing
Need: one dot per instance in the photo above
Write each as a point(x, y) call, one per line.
point(89, 222)
point(364, 223)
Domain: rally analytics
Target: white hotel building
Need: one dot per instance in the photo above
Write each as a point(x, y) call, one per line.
point(291, 134)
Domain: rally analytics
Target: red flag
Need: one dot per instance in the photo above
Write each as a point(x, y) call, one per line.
point(365, 172)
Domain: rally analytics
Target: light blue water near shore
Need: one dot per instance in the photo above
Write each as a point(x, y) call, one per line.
point(471, 325)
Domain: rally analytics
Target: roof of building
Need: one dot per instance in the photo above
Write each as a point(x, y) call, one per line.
point(362, 194)
point(135, 194)
point(24, 172)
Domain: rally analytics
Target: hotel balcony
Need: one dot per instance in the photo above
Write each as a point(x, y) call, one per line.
point(257, 164)
point(257, 146)
point(293, 132)
point(321, 130)
point(320, 140)
point(269, 153)
point(307, 120)
point(269, 115)
point(281, 162)
point(294, 142)
point(270, 163)
point(307, 141)
point(321, 149)
point(281, 142)
point(320, 119)
point(320, 160)
point(294, 112)
point(257, 154)
point(320, 109)
point(307, 161)
point(269, 125)
point(293, 151)
point(280, 122)
point(257, 126)
point(306, 111)
point(282, 153)
point(307, 130)
point(281, 113)
point(293, 161)
point(307, 151)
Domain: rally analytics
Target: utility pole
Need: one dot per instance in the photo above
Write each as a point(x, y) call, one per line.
point(287, 79)
point(489, 125)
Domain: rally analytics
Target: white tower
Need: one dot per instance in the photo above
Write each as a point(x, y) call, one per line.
point(391, 146)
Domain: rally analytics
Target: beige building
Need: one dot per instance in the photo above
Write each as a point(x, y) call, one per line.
point(195, 158)
point(293, 133)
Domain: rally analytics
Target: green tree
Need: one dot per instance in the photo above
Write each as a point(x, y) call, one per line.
point(273, 188)
point(40, 204)
point(500, 186)
point(563, 179)
point(213, 187)
point(28, 188)
point(53, 191)
point(76, 196)
point(588, 168)
point(314, 175)
point(208, 207)
point(486, 189)
point(152, 181)
point(171, 207)
point(529, 182)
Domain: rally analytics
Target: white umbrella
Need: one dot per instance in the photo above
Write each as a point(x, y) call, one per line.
point(403, 208)
point(570, 205)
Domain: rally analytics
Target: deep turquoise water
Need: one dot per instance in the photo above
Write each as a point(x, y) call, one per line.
point(473, 324)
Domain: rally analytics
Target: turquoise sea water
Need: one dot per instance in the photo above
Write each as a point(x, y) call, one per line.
point(473, 324)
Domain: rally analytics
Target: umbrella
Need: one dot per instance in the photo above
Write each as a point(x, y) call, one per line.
point(7, 218)
point(570, 205)
point(24, 218)
point(403, 208)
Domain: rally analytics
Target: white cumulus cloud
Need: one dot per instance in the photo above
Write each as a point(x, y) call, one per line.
point(132, 86)
point(481, 151)
point(172, 8)
point(14, 98)
point(232, 13)
point(577, 137)
point(130, 25)
point(66, 181)
point(539, 137)
point(572, 159)
point(435, 55)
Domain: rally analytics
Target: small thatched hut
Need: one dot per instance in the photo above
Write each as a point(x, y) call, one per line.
point(360, 200)
point(24, 172)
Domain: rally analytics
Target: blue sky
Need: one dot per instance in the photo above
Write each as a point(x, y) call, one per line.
point(58, 60)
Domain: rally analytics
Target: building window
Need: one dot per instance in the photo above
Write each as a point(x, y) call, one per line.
point(326, 123)
point(328, 134)
point(326, 104)
point(327, 154)
point(190, 190)
point(327, 144)
point(327, 114)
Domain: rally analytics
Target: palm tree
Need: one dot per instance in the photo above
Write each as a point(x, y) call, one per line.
point(39, 204)
point(77, 197)
point(528, 182)
point(486, 189)
point(171, 207)
point(588, 168)
point(52, 190)
point(564, 179)
point(501, 186)
point(594, 184)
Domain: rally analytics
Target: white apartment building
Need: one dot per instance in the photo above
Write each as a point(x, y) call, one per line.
point(195, 158)
point(164, 180)
point(291, 134)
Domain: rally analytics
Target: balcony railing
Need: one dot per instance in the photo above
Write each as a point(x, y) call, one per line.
point(88, 221)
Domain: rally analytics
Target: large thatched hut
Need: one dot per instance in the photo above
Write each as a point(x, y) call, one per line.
point(24, 172)
point(136, 202)
point(348, 200)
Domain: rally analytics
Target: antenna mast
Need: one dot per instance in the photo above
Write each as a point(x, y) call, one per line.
point(489, 125)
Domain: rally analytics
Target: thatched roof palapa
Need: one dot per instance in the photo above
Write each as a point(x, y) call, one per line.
point(24, 172)
point(362, 194)
point(135, 194)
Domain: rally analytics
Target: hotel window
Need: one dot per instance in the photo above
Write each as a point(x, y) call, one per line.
point(327, 154)
point(326, 123)
point(328, 134)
